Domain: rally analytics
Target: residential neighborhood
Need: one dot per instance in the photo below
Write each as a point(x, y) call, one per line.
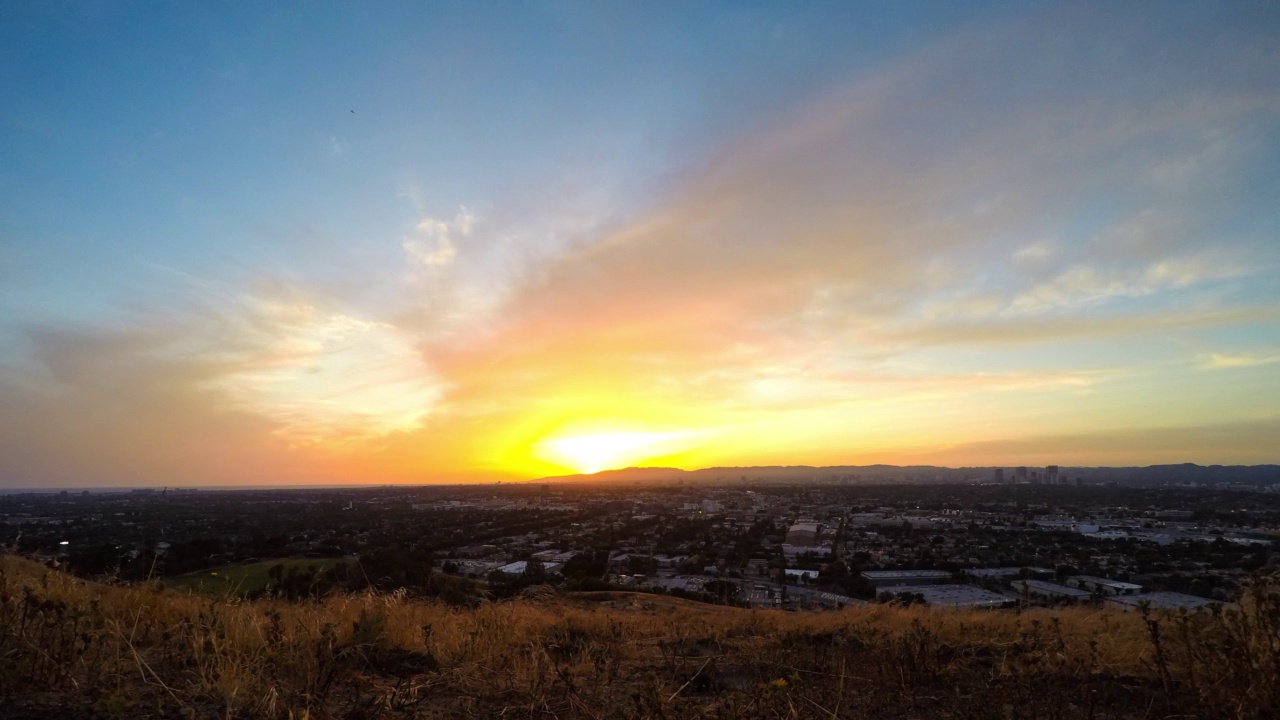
point(776, 545)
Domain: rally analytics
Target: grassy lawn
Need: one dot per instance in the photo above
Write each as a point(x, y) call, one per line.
point(239, 579)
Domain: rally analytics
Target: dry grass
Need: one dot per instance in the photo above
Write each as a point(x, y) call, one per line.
point(143, 652)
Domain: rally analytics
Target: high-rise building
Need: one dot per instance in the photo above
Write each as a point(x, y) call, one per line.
point(997, 476)
point(1051, 474)
point(1020, 475)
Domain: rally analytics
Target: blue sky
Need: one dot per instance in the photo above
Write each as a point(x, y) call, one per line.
point(182, 135)
point(422, 241)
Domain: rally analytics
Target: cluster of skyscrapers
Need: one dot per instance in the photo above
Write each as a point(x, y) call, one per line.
point(1022, 475)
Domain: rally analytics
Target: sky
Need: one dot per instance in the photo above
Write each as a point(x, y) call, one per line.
point(307, 243)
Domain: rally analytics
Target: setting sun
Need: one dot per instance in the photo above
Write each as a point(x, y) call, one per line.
point(607, 450)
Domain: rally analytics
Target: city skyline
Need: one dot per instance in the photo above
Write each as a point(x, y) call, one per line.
point(421, 243)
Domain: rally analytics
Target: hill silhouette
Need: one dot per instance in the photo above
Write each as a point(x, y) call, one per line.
point(1151, 474)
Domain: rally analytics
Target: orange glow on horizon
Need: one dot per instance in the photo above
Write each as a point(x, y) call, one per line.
point(592, 452)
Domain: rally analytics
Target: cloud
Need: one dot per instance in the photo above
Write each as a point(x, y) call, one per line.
point(943, 204)
point(1035, 255)
point(1082, 285)
point(1041, 330)
point(1245, 442)
point(432, 244)
point(336, 147)
point(105, 407)
point(929, 244)
point(323, 376)
point(316, 372)
point(222, 386)
point(898, 212)
point(1220, 361)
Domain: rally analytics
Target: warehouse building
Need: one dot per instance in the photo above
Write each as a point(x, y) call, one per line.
point(1050, 591)
point(905, 578)
point(969, 596)
point(1163, 600)
point(1103, 586)
point(803, 534)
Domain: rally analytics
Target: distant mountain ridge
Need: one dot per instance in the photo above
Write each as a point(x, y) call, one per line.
point(871, 474)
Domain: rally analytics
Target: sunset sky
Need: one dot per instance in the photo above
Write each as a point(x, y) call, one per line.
point(275, 243)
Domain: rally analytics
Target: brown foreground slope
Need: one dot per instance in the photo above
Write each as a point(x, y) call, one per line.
point(71, 649)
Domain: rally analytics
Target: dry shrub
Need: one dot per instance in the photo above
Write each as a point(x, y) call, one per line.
point(1224, 663)
point(143, 651)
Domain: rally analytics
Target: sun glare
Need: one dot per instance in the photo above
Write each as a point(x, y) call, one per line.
point(605, 451)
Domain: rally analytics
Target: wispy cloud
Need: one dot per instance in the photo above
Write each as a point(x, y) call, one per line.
point(1221, 361)
point(839, 227)
point(804, 254)
point(1084, 285)
point(322, 376)
point(927, 244)
point(434, 242)
point(315, 372)
point(1244, 442)
point(1040, 330)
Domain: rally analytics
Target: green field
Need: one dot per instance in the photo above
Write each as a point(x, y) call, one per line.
point(248, 578)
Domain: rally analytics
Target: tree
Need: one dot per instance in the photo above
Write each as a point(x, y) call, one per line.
point(640, 565)
point(389, 568)
point(834, 572)
point(723, 591)
point(586, 565)
point(91, 560)
point(535, 573)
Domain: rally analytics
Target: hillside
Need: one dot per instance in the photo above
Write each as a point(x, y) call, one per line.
point(72, 649)
point(244, 578)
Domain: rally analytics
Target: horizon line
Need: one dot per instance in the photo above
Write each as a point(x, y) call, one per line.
point(602, 474)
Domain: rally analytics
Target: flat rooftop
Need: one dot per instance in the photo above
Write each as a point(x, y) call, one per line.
point(1106, 581)
point(1164, 600)
point(903, 574)
point(959, 596)
point(1055, 588)
point(1006, 571)
point(518, 567)
point(837, 598)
